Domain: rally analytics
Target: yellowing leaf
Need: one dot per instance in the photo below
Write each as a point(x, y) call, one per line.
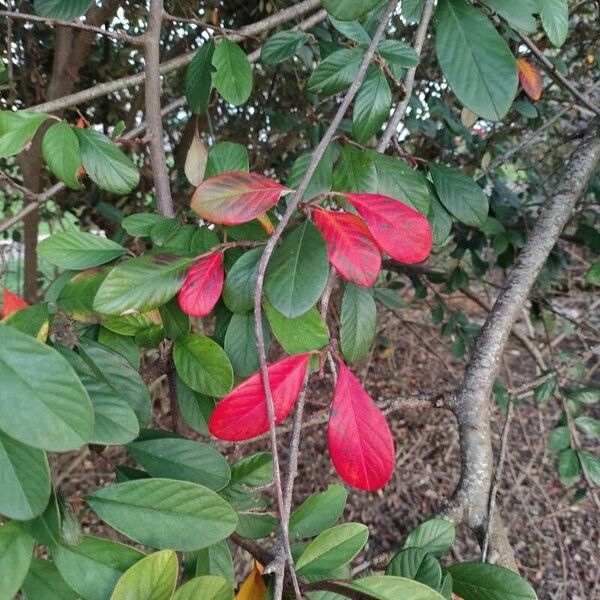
point(254, 587)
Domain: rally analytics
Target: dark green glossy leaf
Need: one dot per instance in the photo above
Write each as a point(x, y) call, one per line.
point(336, 72)
point(238, 291)
point(65, 10)
point(318, 512)
point(417, 564)
point(281, 46)
point(60, 148)
point(216, 560)
point(17, 128)
point(233, 72)
point(44, 582)
point(198, 78)
point(349, 10)
point(241, 346)
point(371, 106)
point(358, 322)
point(435, 536)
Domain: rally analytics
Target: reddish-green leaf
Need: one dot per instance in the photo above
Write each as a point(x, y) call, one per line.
point(350, 246)
point(202, 286)
point(399, 230)
point(243, 415)
point(360, 441)
point(11, 303)
point(234, 198)
point(530, 79)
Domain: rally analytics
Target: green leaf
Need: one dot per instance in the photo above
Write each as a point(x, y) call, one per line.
point(398, 53)
point(318, 512)
point(569, 468)
point(439, 219)
point(358, 322)
point(60, 148)
point(187, 460)
point(17, 128)
point(24, 480)
point(349, 10)
point(302, 334)
point(152, 578)
point(203, 365)
point(589, 426)
point(240, 344)
point(141, 283)
point(42, 402)
point(593, 275)
point(77, 250)
point(460, 195)
point(475, 59)
point(518, 14)
point(47, 528)
point(65, 10)
point(371, 106)
point(281, 46)
point(298, 271)
point(140, 225)
point(332, 549)
point(106, 165)
point(336, 72)
point(353, 30)
point(44, 582)
point(16, 548)
point(238, 291)
point(93, 567)
point(233, 74)
point(560, 439)
point(195, 408)
point(176, 322)
point(216, 560)
point(386, 587)
point(435, 536)
point(585, 395)
point(33, 320)
point(591, 466)
point(555, 20)
point(321, 179)
point(483, 581)
point(123, 345)
point(198, 78)
point(355, 171)
point(412, 9)
point(209, 587)
point(543, 392)
point(416, 564)
point(225, 157)
point(253, 471)
point(191, 516)
point(255, 526)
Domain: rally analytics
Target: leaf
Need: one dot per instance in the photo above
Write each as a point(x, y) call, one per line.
point(439, 219)
point(460, 195)
point(11, 303)
point(412, 9)
point(569, 468)
point(336, 72)
point(416, 564)
point(355, 171)
point(353, 30)
point(281, 46)
point(592, 277)
point(60, 148)
point(253, 471)
point(349, 10)
point(16, 548)
point(359, 438)
point(233, 72)
point(195, 160)
point(530, 79)
point(555, 20)
point(106, 165)
point(483, 581)
point(560, 439)
point(182, 459)
point(238, 291)
point(203, 365)
point(585, 395)
point(256, 526)
point(591, 466)
point(234, 198)
point(371, 106)
point(42, 402)
point(198, 80)
point(65, 10)
point(475, 59)
point(589, 426)
point(142, 283)
point(77, 250)
point(398, 53)
point(17, 129)
point(321, 179)
point(93, 567)
point(518, 14)
point(44, 582)
point(140, 225)
point(399, 230)
point(24, 480)
point(195, 408)
point(240, 344)
point(297, 273)
point(208, 587)
point(202, 286)
point(358, 322)
point(386, 587)
point(331, 549)
point(254, 587)
point(226, 157)
point(152, 578)
point(191, 516)
point(318, 512)
point(216, 560)
point(435, 536)
point(242, 414)
point(301, 334)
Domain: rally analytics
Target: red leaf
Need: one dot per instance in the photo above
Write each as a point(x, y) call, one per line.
point(12, 303)
point(530, 79)
point(243, 415)
point(234, 198)
point(398, 229)
point(360, 441)
point(350, 246)
point(202, 286)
